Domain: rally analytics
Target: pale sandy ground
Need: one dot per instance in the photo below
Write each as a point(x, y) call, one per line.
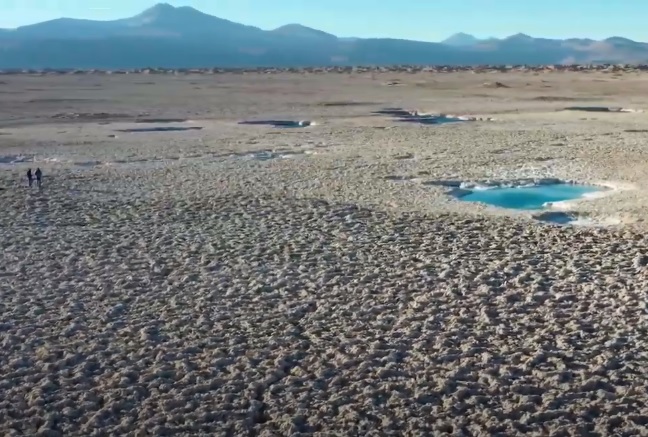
point(175, 283)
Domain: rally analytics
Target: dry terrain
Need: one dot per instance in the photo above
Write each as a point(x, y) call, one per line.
point(242, 279)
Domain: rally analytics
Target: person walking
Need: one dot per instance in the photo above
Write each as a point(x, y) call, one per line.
point(30, 177)
point(39, 177)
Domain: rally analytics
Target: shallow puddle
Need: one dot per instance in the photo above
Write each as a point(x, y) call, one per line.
point(15, 159)
point(161, 129)
point(601, 109)
point(432, 119)
point(161, 120)
point(407, 116)
point(280, 123)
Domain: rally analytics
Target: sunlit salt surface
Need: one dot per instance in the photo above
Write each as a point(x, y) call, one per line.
point(534, 197)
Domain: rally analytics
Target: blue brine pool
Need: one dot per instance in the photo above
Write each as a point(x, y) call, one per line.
point(535, 197)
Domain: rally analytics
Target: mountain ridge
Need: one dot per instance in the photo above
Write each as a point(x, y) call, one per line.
point(461, 39)
point(300, 31)
point(169, 36)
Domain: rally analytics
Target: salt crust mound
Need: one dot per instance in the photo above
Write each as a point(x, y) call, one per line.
point(239, 314)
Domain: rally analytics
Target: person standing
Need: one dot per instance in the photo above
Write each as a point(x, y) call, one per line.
point(39, 177)
point(30, 178)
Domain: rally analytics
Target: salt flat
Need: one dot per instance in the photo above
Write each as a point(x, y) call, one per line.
point(251, 280)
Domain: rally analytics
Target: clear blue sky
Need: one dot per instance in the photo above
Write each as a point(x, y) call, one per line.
point(426, 20)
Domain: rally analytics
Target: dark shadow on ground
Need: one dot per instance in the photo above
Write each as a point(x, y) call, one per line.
point(279, 123)
point(160, 129)
point(592, 109)
point(561, 99)
point(345, 103)
point(161, 120)
point(394, 112)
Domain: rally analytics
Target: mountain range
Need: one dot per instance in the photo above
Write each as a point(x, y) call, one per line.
point(176, 37)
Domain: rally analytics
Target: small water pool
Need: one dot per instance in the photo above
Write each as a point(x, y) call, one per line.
point(286, 124)
point(160, 129)
point(432, 119)
point(535, 197)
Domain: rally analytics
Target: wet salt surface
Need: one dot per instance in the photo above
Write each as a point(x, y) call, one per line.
point(410, 116)
point(15, 159)
point(571, 218)
point(557, 218)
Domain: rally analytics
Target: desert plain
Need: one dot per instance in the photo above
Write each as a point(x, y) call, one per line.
point(243, 279)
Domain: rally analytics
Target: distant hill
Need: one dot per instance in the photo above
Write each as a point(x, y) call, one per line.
point(460, 40)
point(299, 31)
point(173, 37)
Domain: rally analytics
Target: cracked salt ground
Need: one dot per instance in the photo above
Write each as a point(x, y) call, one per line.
point(263, 155)
point(209, 294)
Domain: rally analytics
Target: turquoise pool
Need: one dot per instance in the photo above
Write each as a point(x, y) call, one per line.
point(535, 197)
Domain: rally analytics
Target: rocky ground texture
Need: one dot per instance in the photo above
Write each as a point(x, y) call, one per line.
point(249, 280)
